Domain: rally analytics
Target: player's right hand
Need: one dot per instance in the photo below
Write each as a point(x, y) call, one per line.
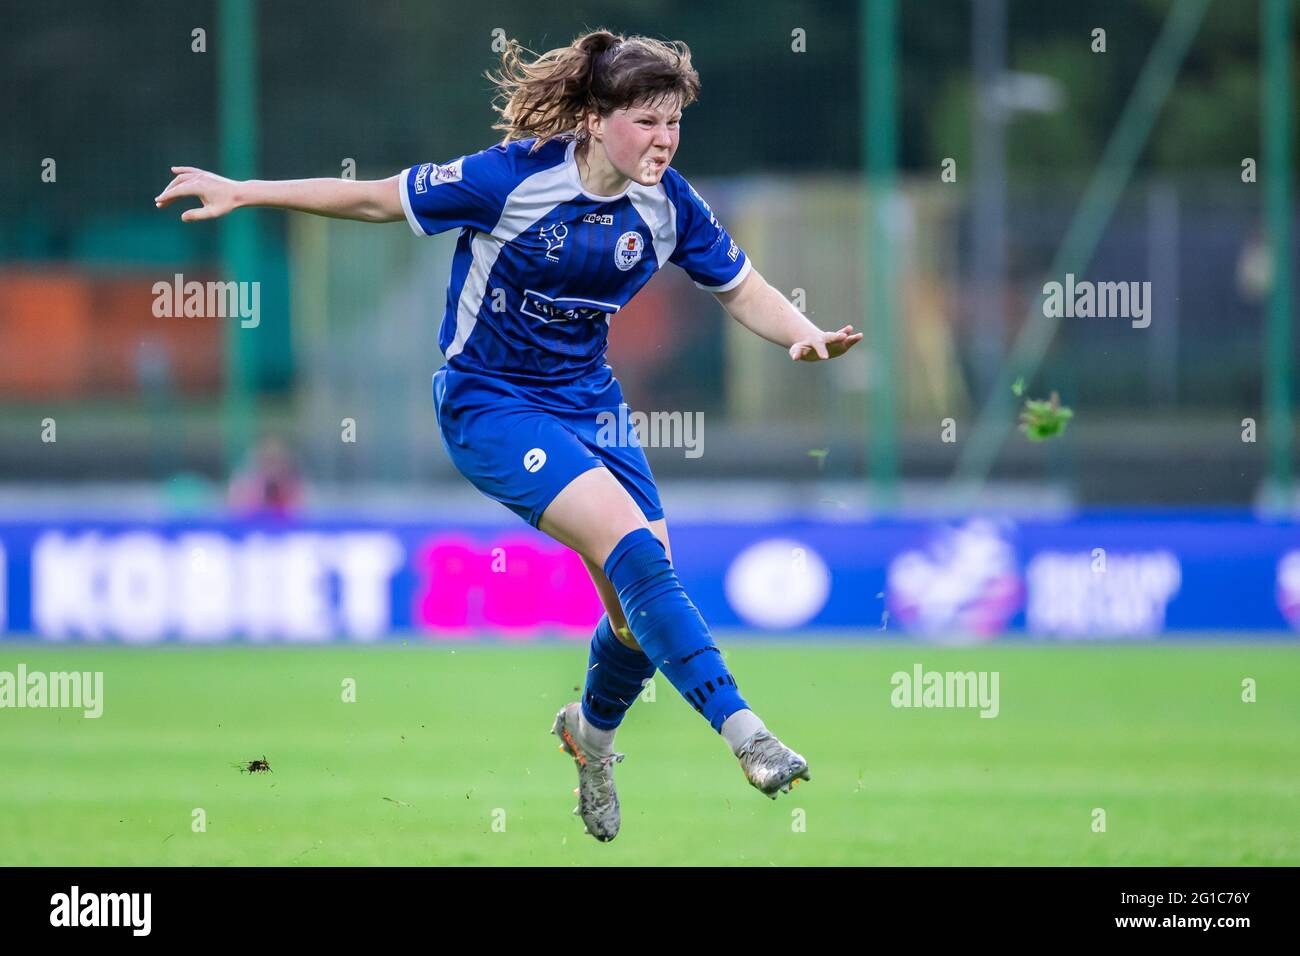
point(215, 192)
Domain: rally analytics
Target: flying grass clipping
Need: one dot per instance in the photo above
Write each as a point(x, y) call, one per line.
point(1041, 419)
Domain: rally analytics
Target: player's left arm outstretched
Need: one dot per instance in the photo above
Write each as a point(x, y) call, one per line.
point(763, 310)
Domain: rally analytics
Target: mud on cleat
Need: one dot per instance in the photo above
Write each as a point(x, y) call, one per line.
point(770, 765)
point(597, 798)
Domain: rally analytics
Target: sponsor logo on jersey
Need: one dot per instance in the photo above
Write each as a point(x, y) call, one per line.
point(429, 173)
point(599, 219)
point(554, 236)
point(562, 309)
point(628, 251)
point(733, 251)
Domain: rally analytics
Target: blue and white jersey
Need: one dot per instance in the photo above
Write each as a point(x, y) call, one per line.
point(541, 265)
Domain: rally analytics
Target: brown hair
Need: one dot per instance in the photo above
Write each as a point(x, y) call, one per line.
point(599, 72)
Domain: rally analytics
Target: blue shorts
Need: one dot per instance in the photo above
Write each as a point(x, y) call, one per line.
point(521, 445)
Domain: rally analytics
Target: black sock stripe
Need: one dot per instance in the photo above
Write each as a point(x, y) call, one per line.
point(600, 706)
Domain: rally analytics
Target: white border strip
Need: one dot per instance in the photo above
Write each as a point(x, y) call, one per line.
point(406, 205)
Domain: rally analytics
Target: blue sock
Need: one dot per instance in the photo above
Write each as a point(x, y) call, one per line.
point(615, 674)
point(669, 628)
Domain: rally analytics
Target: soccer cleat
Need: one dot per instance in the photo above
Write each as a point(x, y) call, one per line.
point(770, 765)
point(597, 798)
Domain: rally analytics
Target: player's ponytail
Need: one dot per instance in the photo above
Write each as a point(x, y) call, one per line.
point(599, 73)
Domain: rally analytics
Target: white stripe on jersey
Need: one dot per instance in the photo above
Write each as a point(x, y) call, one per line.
point(484, 250)
point(659, 213)
point(527, 203)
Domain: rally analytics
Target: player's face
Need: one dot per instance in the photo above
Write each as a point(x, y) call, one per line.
point(641, 140)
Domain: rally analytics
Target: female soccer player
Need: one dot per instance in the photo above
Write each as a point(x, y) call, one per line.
point(560, 225)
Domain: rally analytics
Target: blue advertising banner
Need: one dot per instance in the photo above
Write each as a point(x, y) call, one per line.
point(1100, 575)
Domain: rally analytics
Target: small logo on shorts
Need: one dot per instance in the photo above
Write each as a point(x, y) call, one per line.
point(534, 458)
point(628, 251)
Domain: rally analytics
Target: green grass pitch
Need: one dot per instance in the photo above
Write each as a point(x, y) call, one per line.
point(445, 758)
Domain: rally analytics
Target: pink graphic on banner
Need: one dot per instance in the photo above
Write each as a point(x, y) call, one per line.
point(1288, 587)
point(507, 585)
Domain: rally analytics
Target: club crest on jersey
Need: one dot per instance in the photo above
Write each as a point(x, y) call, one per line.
point(628, 251)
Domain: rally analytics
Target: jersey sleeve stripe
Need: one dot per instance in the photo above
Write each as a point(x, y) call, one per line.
point(403, 185)
point(731, 284)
